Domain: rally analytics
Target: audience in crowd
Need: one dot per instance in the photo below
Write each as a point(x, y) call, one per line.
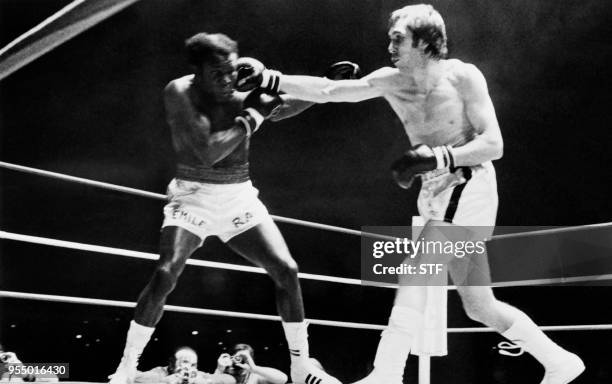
point(183, 369)
point(241, 365)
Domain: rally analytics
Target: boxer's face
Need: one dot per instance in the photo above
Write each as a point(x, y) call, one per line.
point(400, 45)
point(218, 77)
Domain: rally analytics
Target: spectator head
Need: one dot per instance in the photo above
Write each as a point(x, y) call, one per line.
point(183, 357)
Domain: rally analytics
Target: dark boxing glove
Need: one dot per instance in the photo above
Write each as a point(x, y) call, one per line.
point(343, 70)
point(419, 159)
point(251, 74)
point(258, 106)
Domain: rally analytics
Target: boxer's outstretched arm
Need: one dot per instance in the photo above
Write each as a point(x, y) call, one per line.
point(291, 107)
point(323, 90)
point(488, 143)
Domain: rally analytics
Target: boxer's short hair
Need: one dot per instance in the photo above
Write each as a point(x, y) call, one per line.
point(208, 48)
point(426, 25)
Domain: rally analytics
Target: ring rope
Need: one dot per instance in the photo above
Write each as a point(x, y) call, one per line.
point(152, 256)
point(176, 308)
point(251, 269)
point(552, 231)
point(70, 21)
point(258, 316)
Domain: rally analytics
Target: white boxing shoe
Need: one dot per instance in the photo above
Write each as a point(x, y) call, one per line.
point(376, 378)
point(564, 370)
point(304, 372)
point(126, 371)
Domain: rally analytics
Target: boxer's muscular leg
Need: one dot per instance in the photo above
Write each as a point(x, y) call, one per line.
point(471, 275)
point(176, 246)
point(406, 318)
point(265, 247)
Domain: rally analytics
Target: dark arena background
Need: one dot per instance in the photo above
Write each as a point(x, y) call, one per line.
point(93, 108)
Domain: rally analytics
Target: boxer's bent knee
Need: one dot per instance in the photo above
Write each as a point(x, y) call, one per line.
point(479, 307)
point(165, 277)
point(476, 312)
point(284, 272)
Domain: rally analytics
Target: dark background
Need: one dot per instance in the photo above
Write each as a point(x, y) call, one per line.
point(93, 108)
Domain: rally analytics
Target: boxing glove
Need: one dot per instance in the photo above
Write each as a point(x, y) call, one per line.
point(419, 159)
point(258, 106)
point(251, 74)
point(343, 70)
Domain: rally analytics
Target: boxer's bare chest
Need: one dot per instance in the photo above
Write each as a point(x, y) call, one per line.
point(430, 115)
point(220, 116)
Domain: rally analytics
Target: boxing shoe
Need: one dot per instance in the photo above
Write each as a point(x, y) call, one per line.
point(126, 371)
point(304, 372)
point(378, 378)
point(563, 369)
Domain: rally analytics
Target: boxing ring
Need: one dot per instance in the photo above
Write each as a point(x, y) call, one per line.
point(81, 15)
point(424, 361)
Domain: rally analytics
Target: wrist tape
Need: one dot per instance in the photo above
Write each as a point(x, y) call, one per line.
point(250, 119)
point(444, 157)
point(270, 80)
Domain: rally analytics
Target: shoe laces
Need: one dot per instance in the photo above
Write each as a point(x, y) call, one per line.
point(505, 347)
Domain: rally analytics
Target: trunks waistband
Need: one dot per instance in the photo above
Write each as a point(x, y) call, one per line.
point(229, 175)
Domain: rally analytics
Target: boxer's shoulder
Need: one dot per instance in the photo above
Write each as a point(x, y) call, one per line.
point(384, 77)
point(464, 74)
point(179, 85)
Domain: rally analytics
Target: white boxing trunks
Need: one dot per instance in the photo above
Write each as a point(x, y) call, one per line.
point(223, 210)
point(465, 197)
